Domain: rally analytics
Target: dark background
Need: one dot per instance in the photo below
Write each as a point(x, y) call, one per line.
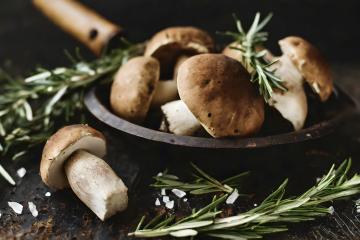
point(27, 39)
point(331, 25)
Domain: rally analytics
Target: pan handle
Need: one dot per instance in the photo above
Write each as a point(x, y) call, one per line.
point(84, 24)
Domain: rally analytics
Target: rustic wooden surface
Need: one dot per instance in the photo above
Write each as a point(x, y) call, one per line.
point(27, 39)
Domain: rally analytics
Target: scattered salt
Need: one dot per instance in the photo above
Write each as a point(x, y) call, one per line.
point(179, 193)
point(169, 205)
point(233, 196)
point(17, 207)
point(48, 194)
point(163, 191)
point(166, 199)
point(21, 172)
point(185, 199)
point(255, 205)
point(0, 214)
point(318, 179)
point(157, 202)
point(159, 174)
point(33, 209)
point(308, 135)
point(331, 210)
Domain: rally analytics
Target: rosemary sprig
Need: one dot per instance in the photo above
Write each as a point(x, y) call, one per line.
point(30, 107)
point(270, 216)
point(247, 42)
point(202, 184)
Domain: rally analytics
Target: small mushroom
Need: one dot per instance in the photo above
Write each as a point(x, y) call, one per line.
point(292, 104)
point(134, 87)
point(178, 118)
point(72, 156)
point(168, 44)
point(310, 63)
point(218, 91)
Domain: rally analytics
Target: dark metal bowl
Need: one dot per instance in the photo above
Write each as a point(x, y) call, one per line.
point(328, 115)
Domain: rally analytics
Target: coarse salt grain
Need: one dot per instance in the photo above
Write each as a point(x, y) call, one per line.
point(185, 199)
point(21, 172)
point(233, 196)
point(178, 193)
point(159, 174)
point(16, 207)
point(255, 205)
point(165, 199)
point(157, 202)
point(163, 191)
point(48, 194)
point(33, 209)
point(169, 205)
point(331, 210)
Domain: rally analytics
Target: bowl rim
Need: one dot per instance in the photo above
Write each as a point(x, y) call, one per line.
point(102, 113)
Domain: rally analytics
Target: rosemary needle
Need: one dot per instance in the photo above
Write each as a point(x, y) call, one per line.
point(202, 184)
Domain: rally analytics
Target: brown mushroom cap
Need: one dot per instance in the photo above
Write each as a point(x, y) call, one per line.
point(310, 63)
point(168, 44)
point(133, 88)
point(61, 145)
point(218, 91)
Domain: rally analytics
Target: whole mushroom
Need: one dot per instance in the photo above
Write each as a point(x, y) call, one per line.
point(134, 87)
point(218, 91)
point(171, 47)
point(72, 156)
point(310, 63)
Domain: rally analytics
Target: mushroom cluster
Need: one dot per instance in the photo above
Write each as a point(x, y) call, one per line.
point(197, 89)
point(72, 157)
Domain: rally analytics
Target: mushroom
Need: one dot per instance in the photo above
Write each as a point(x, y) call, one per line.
point(178, 119)
point(168, 44)
point(171, 47)
point(310, 63)
point(292, 104)
point(218, 91)
point(133, 88)
point(72, 156)
point(166, 90)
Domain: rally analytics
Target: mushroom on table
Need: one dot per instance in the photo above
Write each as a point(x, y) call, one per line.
point(72, 157)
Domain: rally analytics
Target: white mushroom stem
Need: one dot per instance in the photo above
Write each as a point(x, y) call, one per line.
point(165, 91)
point(96, 184)
point(179, 118)
point(291, 104)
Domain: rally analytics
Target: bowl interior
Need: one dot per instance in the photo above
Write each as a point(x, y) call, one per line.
point(321, 120)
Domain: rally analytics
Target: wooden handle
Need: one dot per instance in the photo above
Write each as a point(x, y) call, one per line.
point(81, 22)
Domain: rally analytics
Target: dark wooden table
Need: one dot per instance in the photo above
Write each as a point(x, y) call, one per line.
point(27, 39)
